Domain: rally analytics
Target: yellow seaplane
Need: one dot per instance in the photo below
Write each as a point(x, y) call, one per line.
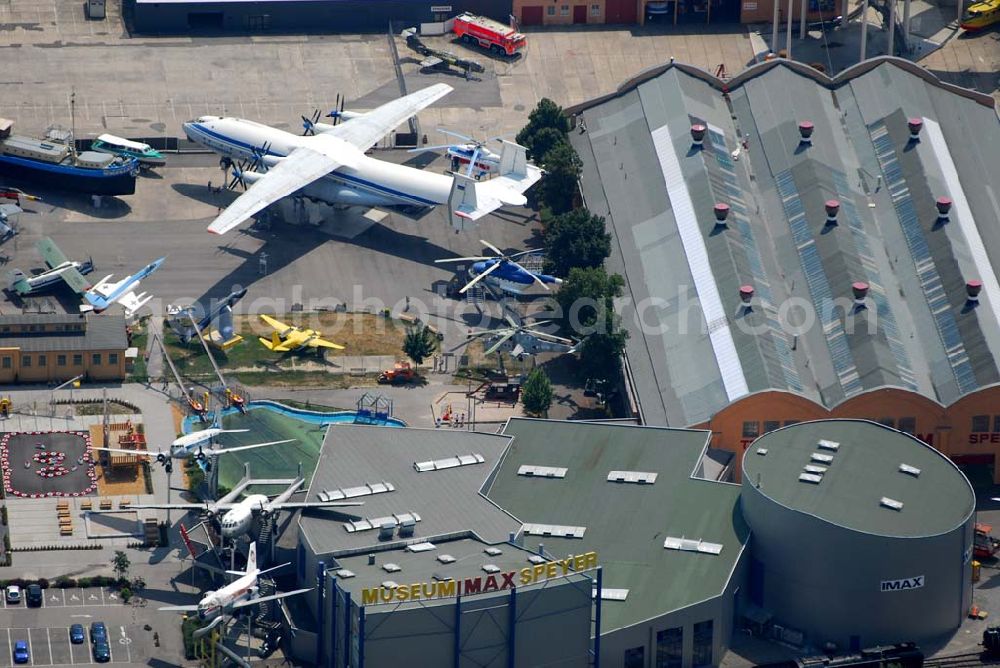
point(288, 338)
point(981, 15)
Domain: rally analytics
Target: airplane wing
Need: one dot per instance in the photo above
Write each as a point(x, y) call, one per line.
point(323, 343)
point(219, 506)
point(301, 167)
point(144, 453)
point(226, 451)
point(292, 505)
point(262, 599)
point(179, 608)
point(366, 130)
point(277, 325)
point(50, 253)
point(132, 302)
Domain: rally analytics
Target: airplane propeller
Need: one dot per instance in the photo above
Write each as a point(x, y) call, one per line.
point(337, 113)
point(500, 258)
point(309, 124)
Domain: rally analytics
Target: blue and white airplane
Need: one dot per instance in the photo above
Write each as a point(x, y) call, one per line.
point(105, 293)
point(331, 166)
point(503, 271)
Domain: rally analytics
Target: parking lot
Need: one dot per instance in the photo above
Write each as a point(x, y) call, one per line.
point(62, 598)
point(50, 646)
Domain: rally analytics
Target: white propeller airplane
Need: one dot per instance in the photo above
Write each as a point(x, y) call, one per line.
point(238, 516)
point(240, 593)
point(330, 165)
point(185, 449)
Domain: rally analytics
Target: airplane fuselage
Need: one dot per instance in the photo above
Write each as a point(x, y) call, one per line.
point(371, 182)
point(222, 600)
point(238, 520)
point(52, 277)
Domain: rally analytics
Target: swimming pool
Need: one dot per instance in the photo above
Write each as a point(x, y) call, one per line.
point(191, 422)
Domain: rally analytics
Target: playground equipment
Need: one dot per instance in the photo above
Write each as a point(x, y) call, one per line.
point(233, 399)
point(5, 407)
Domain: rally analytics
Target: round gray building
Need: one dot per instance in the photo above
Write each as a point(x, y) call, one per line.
point(862, 534)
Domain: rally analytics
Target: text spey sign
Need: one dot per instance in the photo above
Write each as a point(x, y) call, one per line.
point(481, 584)
point(916, 582)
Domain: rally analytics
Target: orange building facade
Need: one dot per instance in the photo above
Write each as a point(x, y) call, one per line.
point(967, 431)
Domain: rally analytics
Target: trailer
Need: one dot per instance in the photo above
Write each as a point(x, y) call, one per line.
point(488, 34)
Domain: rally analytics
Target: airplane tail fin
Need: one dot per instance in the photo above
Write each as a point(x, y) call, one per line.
point(17, 277)
point(470, 200)
point(252, 558)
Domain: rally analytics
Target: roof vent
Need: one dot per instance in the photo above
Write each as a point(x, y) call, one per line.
point(536, 559)
point(943, 206)
point(824, 444)
point(762, 451)
point(860, 290)
point(806, 131)
point(698, 134)
point(542, 471)
point(640, 477)
point(915, 125)
point(610, 594)
point(972, 289)
point(420, 547)
point(389, 584)
point(557, 530)
point(391, 568)
point(909, 470)
point(446, 558)
point(491, 568)
point(832, 209)
point(721, 210)
point(810, 478)
point(691, 545)
point(343, 574)
point(746, 295)
point(891, 504)
point(386, 529)
point(493, 551)
point(407, 526)
point(353, 492)
point(448, 463)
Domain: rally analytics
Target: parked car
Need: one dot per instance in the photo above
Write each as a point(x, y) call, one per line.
point(76, 634)
point(98, 632)
point(21, 653)
point(34, 595)
point(13, 594)
point(102, 653)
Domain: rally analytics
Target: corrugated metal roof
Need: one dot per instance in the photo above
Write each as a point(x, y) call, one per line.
point(102, 332)
point(916, 330)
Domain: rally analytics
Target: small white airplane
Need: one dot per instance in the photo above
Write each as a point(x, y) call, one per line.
point(105, 293)
point(330, 165)
point(240, 593)
point(238, 516)
point(181, 451)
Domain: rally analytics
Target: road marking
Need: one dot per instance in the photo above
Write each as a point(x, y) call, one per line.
point(63, 596)
point(10, 648)
point(90, 651)
point(127, 641)
point(49, 636)
point(70, 643)
point(102, 596)
point(31, 650)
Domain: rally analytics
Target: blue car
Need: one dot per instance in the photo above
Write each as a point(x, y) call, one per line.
point(102, 653)
point(98, 632)
point(21, 654)
point(76, 634)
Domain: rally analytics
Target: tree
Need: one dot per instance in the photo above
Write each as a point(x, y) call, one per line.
point(120, 563)
point(600, 356)
point(575, 239)
point(586, 299)
point(420, 342)
point(536, 392)
point(542, 142)
point(546, 114)
point(562, 170)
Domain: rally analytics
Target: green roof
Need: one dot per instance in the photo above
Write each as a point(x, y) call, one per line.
point(626, 523)
point(865, 468)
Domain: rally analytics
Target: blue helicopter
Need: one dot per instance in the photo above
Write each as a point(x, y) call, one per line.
point(503, 271)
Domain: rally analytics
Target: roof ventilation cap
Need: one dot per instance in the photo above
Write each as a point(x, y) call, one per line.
point(916, 125)
point(385, 530)
point(698, 134)
point(746, 294)
point(860, 290)
point(806, 131)
point(721, 213)
point(943, 206)
point(832, 209)
point(972, 289)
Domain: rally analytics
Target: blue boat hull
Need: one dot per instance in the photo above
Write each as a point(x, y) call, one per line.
point(117, 180)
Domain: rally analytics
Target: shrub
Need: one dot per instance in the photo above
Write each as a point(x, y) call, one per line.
point(43, 583)
point(65, 582)
point(83, 583)
point(126, 594)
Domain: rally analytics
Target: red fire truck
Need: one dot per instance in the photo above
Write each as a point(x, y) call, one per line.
point(488, 34)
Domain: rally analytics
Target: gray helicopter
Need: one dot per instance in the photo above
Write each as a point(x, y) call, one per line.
point(520, 339)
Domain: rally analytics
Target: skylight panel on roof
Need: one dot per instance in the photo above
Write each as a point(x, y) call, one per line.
point(824, 444)
point(909, 470)
point(691, 545)
point(448, 463)
point(762, 451)
point(609, 594)
point(820, 458)
point(353, 526)
point(817, 470)
point(420, 547)
point(353, 492)
point(391, 568)
point(554, 530)
point(343, 574)
point(810, 478)
point(891, 504)
point(446, 558)
point(389, 584)
point(639, 477)
point(491, 568)
point(493, 551)
point(537, 559)
point(542, 471)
